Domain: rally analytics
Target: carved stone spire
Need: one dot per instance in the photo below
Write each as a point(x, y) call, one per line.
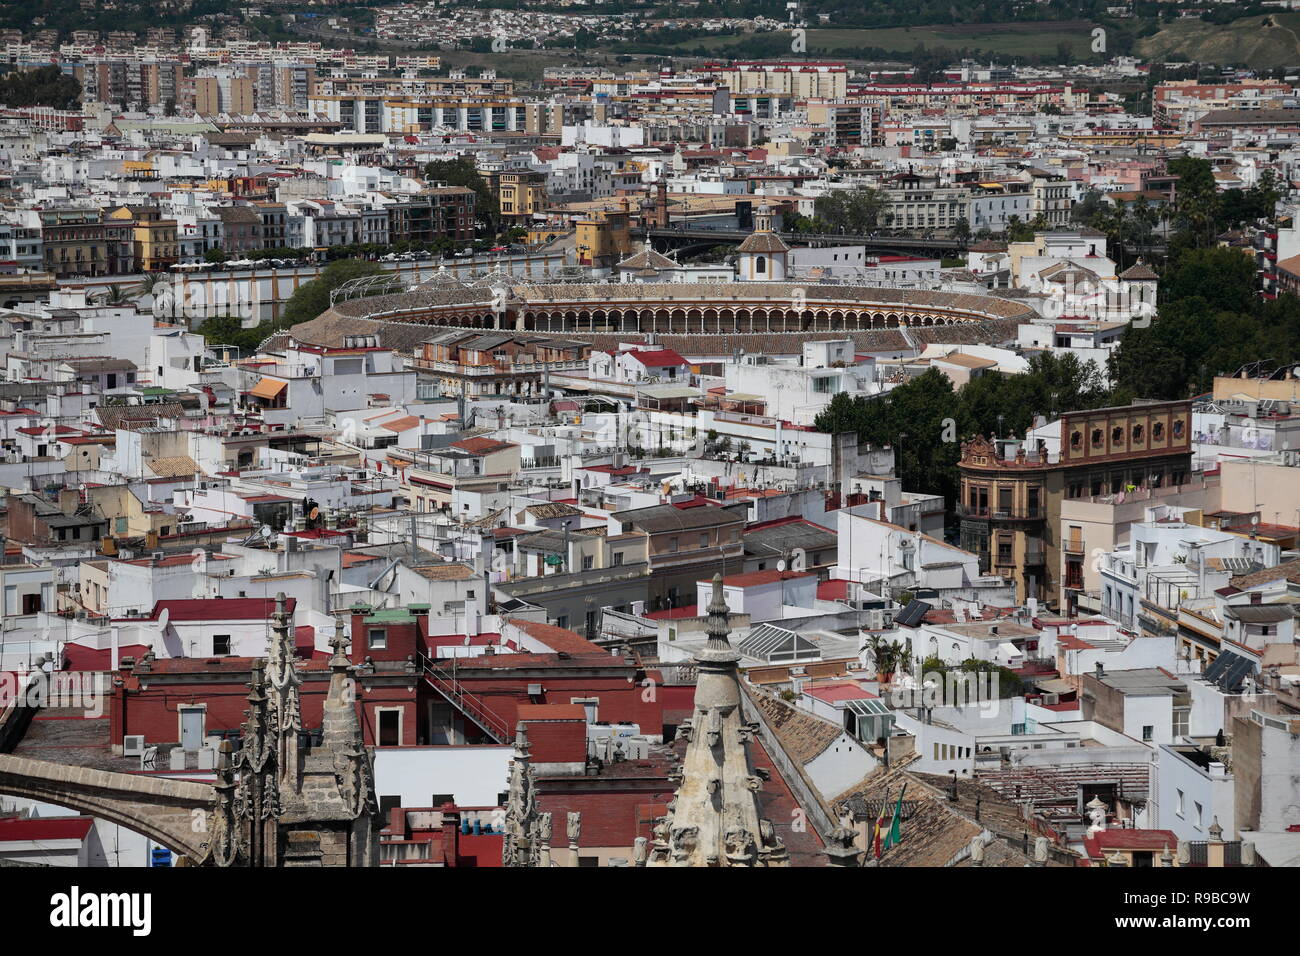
point(282, 674)
point(714, 817)
point(521, 822)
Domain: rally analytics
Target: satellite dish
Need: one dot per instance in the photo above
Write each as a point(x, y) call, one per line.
point(267, 531)
point(467, 640)
point(164, 618)
point(780, 565)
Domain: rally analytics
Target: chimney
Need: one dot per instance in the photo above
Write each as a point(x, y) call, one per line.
point(1101, 670)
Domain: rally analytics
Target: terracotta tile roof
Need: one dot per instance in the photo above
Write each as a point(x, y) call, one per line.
point(180, 466)
point(556, 638)
point(445, 572)
point(803, 736)
point(1290, 570)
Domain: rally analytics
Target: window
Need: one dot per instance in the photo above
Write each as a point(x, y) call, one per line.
point(1179, 811)
point(1178, 428)
point(1148, 732)
point(220, 645)
point(618, 558)
point(1117, 435)
point(704, 540)
point(589, 704)
point(1158, 431)
point(377, 639)
point(1098, 437)
point(588, 562)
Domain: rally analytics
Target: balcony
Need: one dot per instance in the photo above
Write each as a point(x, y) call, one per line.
point(1073, 546)
point(1001, 514)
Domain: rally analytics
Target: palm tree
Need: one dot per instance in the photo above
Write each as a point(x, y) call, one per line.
point(116, 295)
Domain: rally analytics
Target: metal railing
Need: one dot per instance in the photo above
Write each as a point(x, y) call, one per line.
point(471, 705)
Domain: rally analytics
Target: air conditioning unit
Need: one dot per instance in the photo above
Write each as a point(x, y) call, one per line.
point(133, 745)
point(1049, 699)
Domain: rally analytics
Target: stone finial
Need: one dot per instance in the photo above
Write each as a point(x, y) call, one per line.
point(841, 845)
point(521, 741)
point(977, 850)
point(574, 828)
point(340, 643)
point(1166, 858)
point(719, 626)
point(1117, 859)
point(1216, 831)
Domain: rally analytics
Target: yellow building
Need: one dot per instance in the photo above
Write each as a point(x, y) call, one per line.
point(604, 237)
point(1011, 491)
point(155, 245)
point(520, 195)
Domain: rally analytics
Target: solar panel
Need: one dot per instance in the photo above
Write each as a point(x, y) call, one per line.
point(1216, 668)
point(1229, 671)
point(911, 615)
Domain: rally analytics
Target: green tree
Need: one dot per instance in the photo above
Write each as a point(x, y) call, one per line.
point(462, 172)
point(45, 86)
point(851, 211)
point(313, 298)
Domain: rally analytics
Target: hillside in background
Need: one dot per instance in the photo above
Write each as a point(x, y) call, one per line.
point(1262, 43)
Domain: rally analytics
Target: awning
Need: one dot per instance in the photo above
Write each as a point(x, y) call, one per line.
point(268, 388)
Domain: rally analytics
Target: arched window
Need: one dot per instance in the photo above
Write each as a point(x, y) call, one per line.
point(760, 264)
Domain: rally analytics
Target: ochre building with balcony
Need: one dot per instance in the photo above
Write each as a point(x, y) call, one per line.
point(1011, 491)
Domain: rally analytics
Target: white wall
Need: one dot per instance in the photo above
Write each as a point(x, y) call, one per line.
point(474, 775)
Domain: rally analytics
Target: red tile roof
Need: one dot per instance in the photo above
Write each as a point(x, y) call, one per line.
point(220, 609)
point(481, 445)
point(556, 638)
point(659, 358)
point(13, 829)
point(1112, 840)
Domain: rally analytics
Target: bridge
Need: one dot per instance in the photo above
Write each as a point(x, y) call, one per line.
point(681, 236)
point(177, 814)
